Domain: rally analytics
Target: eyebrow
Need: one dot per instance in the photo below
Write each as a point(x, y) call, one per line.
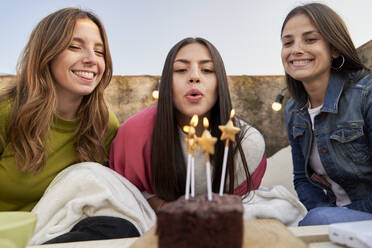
point(205, 61)
point(77, 39)
point(304, 34)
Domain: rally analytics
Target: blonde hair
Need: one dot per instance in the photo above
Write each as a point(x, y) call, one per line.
point(34, 95)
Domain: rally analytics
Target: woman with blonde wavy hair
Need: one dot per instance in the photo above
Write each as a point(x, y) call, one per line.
point(55, 115)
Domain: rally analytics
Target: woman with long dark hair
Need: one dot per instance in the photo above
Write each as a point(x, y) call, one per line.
point(149, 149)
point(329, 117)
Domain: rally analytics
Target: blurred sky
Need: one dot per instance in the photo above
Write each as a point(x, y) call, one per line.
point(141, 32)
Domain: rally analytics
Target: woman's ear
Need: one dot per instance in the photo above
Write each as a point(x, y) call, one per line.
point(334, 53)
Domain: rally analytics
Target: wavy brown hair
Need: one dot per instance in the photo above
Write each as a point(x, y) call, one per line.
point(34, 95)
point(168, 167)
point(333, 29)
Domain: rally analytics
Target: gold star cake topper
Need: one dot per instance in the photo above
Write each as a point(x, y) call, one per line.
point(191, 139)
point(207, 141)
point(229, 130)
point(192, 145)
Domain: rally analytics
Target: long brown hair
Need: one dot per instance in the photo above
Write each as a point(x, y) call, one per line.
point(34, 95)
point(332, 28)
point(168, 168)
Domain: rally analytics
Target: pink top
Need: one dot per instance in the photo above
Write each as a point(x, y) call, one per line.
point(130, 153)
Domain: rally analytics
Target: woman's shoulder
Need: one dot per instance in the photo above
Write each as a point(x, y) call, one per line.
point(7, 99)
point(252, 137)
point(248, 128)
point(142, 120)
point(135, 133)
point(367, 79)
point(253, 145)
point(113, 120)
point(292, 106)
point(5, 107)
point(362, 78)
point(5, 112)
point(113, 124)
point(292, 109)
point(142, 117)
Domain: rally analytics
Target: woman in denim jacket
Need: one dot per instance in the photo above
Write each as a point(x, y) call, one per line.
point(329, 118)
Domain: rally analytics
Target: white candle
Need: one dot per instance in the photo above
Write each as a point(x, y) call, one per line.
point(191, 147)
point(192, 176)
point(193, 123)
point(186, 129)
point(187, 188)
point(224, 162)
point(209, 181)
point(207, 142)
point(228, 133)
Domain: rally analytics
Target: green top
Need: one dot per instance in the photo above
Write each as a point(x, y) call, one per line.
point(20, 191)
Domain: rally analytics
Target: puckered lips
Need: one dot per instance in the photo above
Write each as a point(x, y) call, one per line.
point(194, 96)
point(84, 74)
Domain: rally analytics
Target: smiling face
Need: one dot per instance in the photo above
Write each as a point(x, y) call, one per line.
point(194, 81)
point(306, 55)
point(79, 68)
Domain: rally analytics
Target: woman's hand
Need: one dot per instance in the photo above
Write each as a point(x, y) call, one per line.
point(156, 203)
point(364, 205)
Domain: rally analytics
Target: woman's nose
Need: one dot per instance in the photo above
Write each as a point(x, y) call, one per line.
point(90, 57)
point(297, 48)
point(194, 76)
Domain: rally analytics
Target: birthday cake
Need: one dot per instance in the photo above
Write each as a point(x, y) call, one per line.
point(198, 222)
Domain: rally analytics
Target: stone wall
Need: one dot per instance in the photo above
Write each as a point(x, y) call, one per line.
point(252, 97)
point(365, 53)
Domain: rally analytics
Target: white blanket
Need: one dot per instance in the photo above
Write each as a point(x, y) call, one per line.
point(274, 202)
point(88, 189)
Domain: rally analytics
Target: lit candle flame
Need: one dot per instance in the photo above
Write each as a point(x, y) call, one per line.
point(205, 122)
point(186, 129)
point(194, 120)
point(232, 113)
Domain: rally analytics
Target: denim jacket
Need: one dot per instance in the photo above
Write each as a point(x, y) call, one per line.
point(343, 132)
